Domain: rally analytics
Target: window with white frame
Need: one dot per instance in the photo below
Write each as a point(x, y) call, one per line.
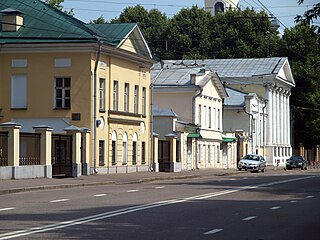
point(136, 99)
point(209, 154)
point(115, 95)
point(199, 114)
point(102, 94)
point(62, 92)
point(219, 119)
point(205, 116)
point(125, 149)
point(215, 118)
point(114, 148)
point(134, 149)
point(210, 117)
point(18, 91)
point(144, 101)
point(126, 97)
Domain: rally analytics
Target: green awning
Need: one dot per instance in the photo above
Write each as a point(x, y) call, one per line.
point(194, 135)
point(230, 139)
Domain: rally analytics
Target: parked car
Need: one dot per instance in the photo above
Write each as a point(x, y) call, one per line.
point(252, 162)
point(296, 162)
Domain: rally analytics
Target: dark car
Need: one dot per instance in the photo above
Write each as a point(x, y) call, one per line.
point(296, 162)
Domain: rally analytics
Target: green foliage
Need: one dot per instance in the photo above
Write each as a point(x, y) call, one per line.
point(301, 45)
point(58, 5)
point(309, 15)
point(153, 23)
point(99, 20)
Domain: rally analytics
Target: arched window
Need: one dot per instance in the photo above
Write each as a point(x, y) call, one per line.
point(134, 149)
point(114, 148)
point(125, 149)
point(218, 7)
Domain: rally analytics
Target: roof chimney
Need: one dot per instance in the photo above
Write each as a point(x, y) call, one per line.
point(12, 20)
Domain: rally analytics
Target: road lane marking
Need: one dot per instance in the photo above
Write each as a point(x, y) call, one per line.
point(293, 201)
point(60, 200)
point(6, 209)
point(275, 208)
point(309, 196)
point(100, 195)
point(213, 231)
point(105, 215)
point(160, 187)
point(133, 190)
point(249, 218)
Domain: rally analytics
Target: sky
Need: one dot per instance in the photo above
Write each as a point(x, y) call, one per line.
point(87, 10)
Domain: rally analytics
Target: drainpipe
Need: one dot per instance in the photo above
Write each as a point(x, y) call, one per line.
point(194, 122)
point(152, 168)
point(264, 126)
point(95, 108)
point(250, 127)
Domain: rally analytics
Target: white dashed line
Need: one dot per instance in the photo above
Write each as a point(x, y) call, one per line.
point(293, 201)
point(160, 187)
point(249, 218)
point(213, 231)
point(6, 209)
point(309, 196)
point(275, 208)
point(100, 195)
point(60, 200)
point(134, 190)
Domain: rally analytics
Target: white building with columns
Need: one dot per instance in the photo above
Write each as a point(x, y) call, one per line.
point(271, 80)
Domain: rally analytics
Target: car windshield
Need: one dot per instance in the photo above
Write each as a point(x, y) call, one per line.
point(251, 157)
point(299, 158)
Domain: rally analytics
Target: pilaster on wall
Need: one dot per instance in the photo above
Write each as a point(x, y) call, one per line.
point(45, 148)
point(13, 142)
point(155, 153)
point(85, 134)
point(75, 132)
point(174, 165)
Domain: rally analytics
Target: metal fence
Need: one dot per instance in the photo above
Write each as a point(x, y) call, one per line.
point(29, 149)
point(3, 149)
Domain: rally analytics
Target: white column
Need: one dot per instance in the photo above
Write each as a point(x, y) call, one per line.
point(278, 117)
point(282, 117)
point(270, 117)
point(288, 121)
point(274, 122)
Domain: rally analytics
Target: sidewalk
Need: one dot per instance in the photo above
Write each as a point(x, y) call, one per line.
point(23, 185)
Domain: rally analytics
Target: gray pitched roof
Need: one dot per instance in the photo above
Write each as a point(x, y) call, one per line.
point(174, 76)
point(163, 112)
point(242, 67)
point(235, 99)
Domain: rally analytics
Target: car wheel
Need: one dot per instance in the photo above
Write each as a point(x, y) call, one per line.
point(239, 169)
point(262, 170)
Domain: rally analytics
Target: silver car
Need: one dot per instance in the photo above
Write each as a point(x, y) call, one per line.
point(252, 162)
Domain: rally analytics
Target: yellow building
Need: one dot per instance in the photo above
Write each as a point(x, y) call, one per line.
point(59, 72)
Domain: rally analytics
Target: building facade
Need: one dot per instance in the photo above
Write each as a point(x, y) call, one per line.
point(196, 96)
point(271, 80)
point(59, 72)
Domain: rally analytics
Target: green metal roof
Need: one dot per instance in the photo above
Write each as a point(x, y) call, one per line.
point(45, 24)
point(229, 139)
point(194, 135)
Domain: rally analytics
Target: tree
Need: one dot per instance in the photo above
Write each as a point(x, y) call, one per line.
point(309, 15)
point(58, 5)
point(301, 45)
point(153, 24)
point(188, 34)
point(243, 34)
point(99, 20)
point(55, 3)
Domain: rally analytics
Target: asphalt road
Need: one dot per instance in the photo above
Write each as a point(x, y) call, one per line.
point(273, 205)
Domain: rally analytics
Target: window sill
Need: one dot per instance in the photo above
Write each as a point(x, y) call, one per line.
point(19, 108)
point(61, 108)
